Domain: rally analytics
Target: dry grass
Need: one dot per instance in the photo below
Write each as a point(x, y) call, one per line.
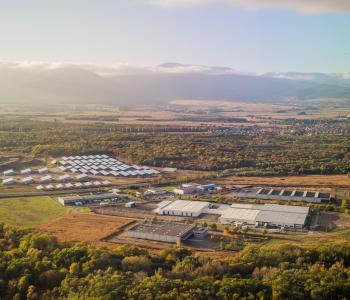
point(310, 180)
point(83, 227)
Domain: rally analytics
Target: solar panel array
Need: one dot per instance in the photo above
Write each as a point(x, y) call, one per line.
point(102, 165)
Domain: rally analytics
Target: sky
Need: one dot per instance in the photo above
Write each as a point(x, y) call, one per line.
point(246, 35)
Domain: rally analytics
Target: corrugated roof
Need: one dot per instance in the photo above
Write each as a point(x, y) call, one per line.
point(281, 217)
point(241, 214)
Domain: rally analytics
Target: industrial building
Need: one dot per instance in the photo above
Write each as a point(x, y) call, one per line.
point(192, 188)
point(154, 191)
point(284, 195)
point(161, 231)
point(268, 215)
point(86, 199)
point(182, 208)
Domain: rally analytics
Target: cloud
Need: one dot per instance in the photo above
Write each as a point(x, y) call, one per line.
point(118, 69)
point(303, 6)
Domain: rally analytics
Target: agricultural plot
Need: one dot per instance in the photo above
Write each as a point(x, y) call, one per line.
point(29, 211)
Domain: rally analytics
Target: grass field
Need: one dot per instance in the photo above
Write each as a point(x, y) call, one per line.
point(29, 211)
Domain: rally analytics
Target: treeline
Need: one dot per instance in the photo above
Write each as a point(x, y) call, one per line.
point(36, 266)
point(247, 153)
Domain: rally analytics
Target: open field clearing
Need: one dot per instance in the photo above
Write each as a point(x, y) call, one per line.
point(83, 227)
point(29, 211)
point(313, 239)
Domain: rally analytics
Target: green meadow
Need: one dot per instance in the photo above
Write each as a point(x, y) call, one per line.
point(29, 211)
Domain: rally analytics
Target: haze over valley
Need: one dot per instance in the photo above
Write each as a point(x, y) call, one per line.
point(124, 85)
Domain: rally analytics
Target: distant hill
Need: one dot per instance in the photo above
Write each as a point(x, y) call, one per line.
point(125, 85)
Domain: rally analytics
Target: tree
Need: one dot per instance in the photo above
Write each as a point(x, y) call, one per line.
point(344, 203)
point(74, 268)
point(136, 263)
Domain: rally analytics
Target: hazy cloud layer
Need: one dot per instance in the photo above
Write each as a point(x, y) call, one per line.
point(304, 6)
point(120, 69)
point(40, 83)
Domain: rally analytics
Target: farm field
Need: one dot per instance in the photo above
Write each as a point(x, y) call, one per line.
point(83, 227)
point(29, 211)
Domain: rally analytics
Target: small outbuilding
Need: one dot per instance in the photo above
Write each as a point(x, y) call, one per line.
point(27, 180)
point(26, 171)
point(8, 181)
point(43, 171)
point(9, 172)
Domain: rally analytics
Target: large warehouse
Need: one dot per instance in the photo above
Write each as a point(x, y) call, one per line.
point(268, 215)
point(161, 231)
point(182, 208)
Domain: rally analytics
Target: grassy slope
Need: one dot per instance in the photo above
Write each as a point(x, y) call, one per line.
point(29, 211)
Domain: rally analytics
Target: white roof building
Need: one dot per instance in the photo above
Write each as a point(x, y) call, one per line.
point(169, 170)
point(64, 177)
point(49, 187)
point(63, 169)
point(27, 180)
point(269, 215)
point(266, 215)
point(9, 172)
point(82, 177)
point(182, 208)
point(43, 170)
point(26, 171)
point(231, 215)
point(8, 181)
point(47, 178)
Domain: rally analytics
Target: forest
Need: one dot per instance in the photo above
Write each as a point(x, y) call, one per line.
point(37, 266)
point(312, 149)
